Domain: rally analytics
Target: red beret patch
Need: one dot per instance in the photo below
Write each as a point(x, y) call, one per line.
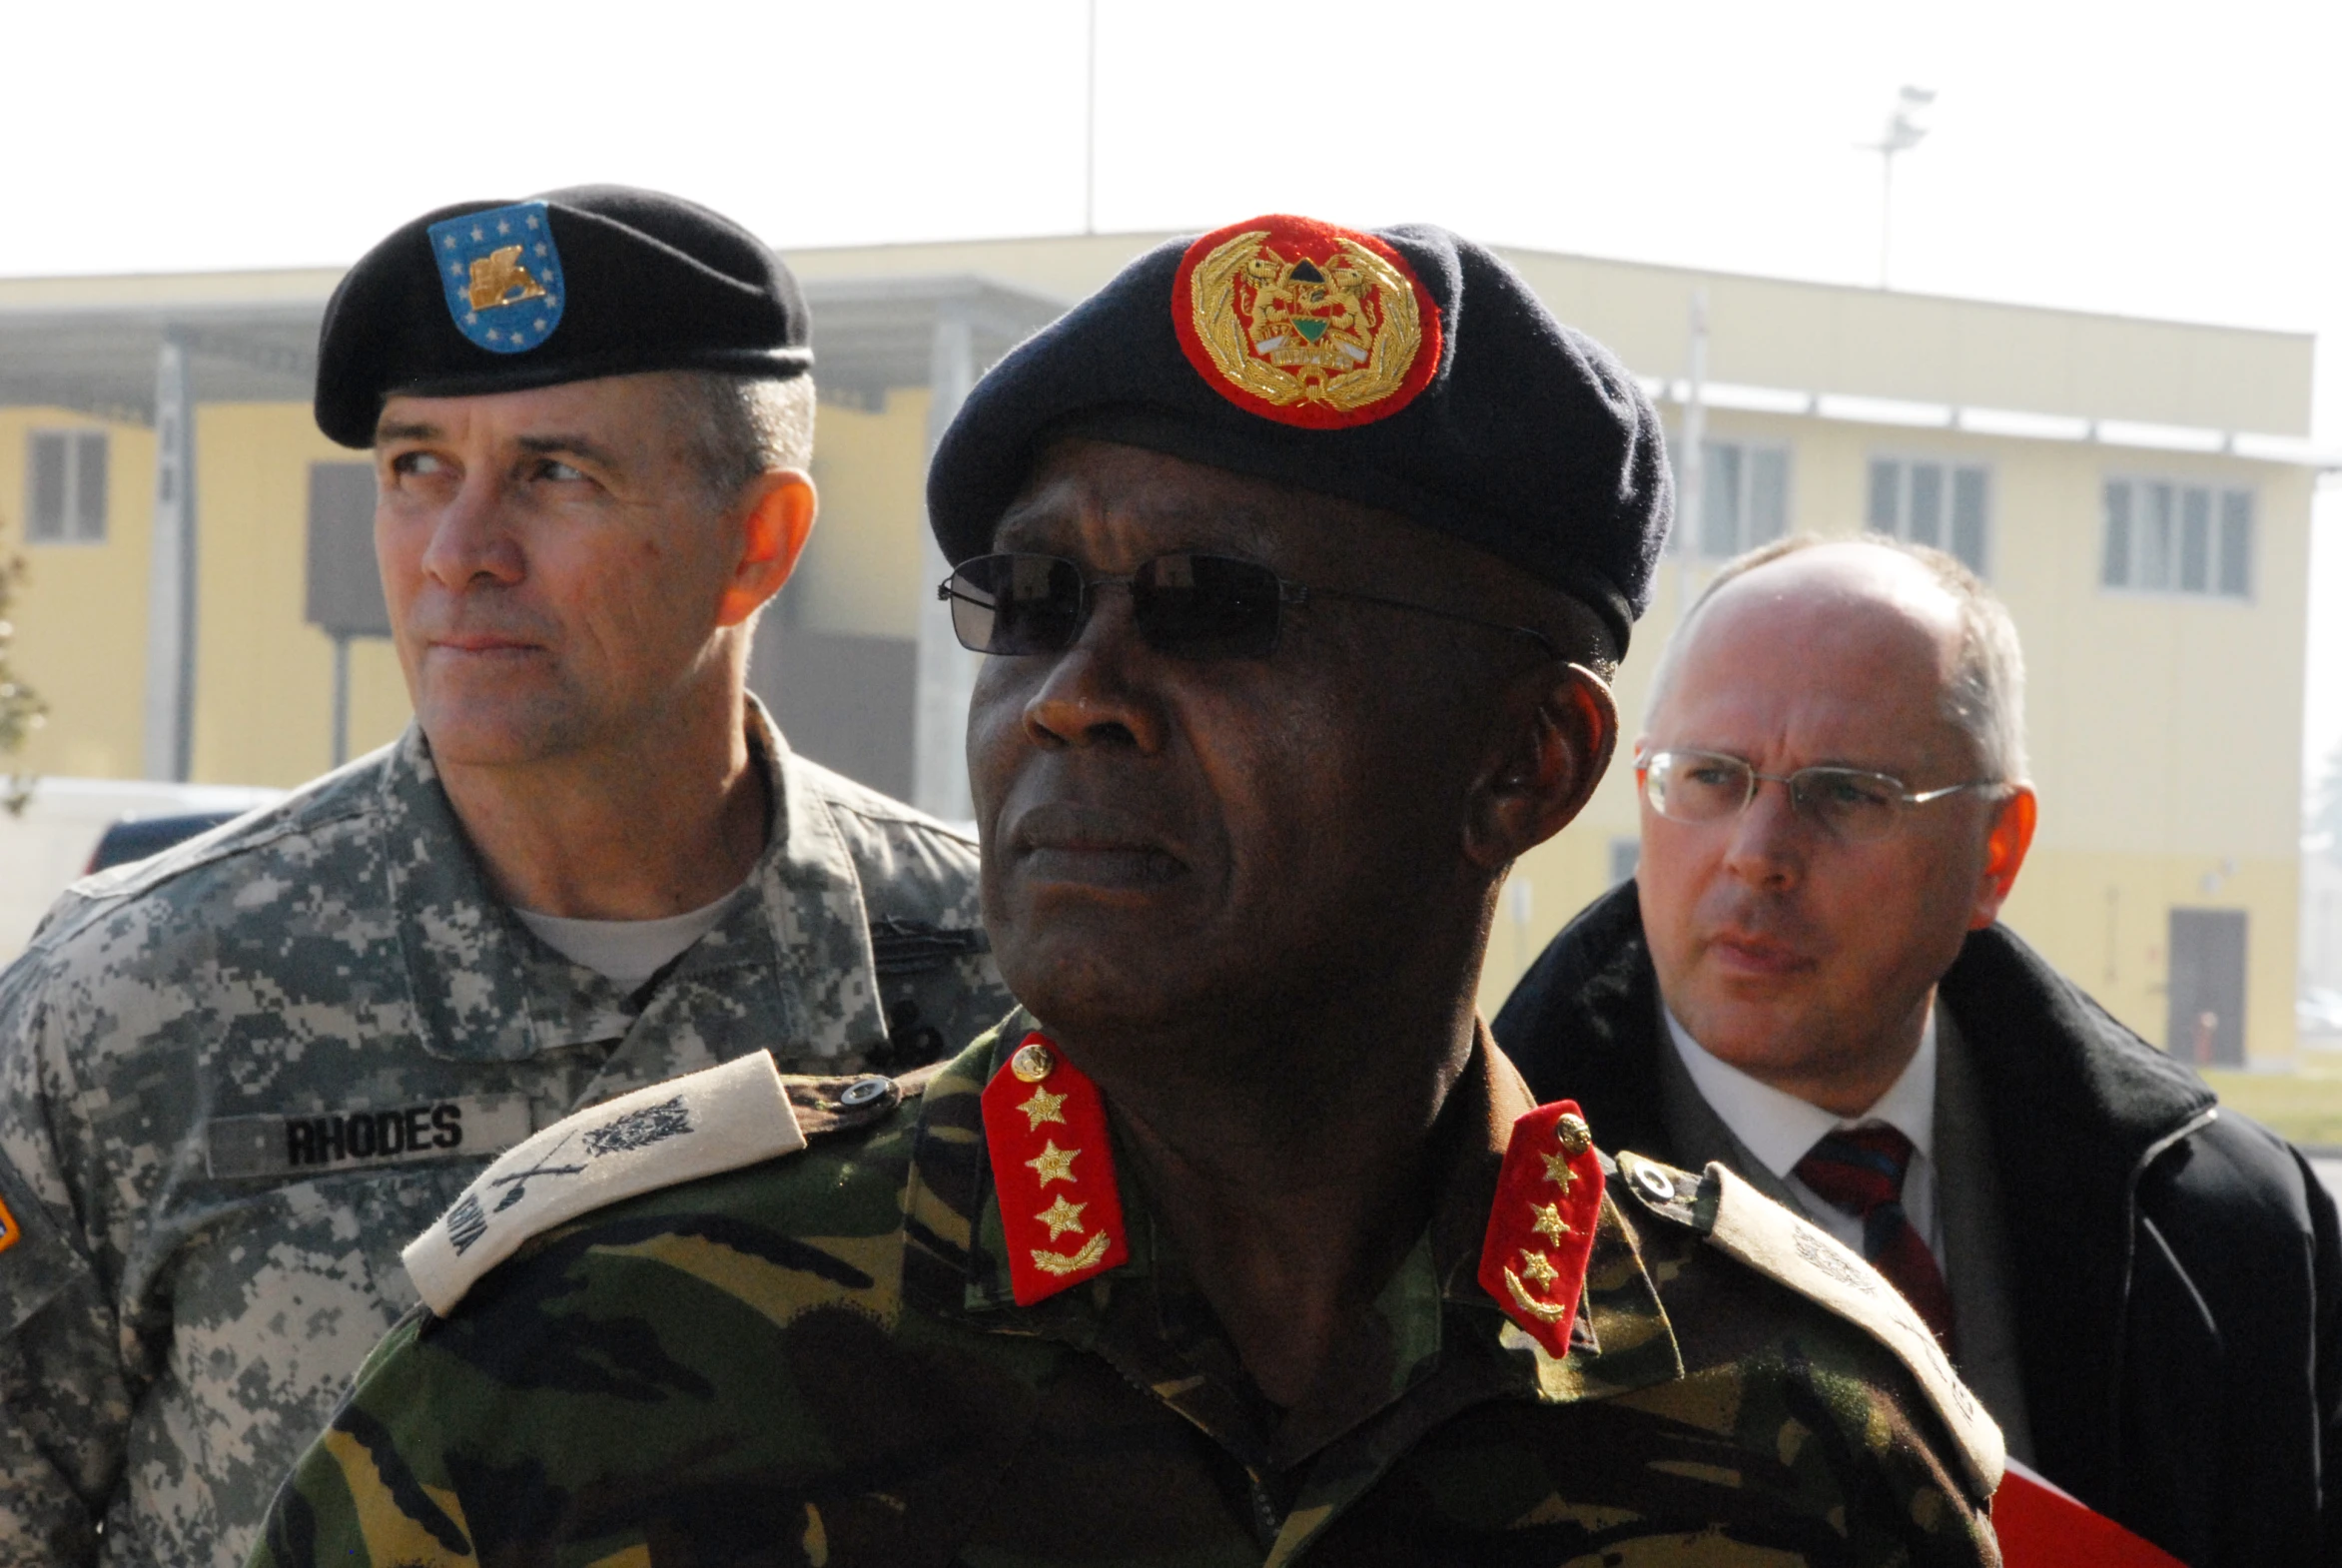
point(1306, 324)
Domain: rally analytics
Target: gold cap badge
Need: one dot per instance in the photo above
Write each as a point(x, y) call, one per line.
point(1306, 324)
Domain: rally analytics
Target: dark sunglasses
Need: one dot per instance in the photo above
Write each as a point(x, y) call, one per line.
point(1186, 606)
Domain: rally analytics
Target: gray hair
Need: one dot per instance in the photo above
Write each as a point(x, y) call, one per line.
point(742, 425)
point(1985, 697)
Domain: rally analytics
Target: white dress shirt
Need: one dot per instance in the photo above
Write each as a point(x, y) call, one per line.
point(1780, 1129)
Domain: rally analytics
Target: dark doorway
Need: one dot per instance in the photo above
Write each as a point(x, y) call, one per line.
point(2206, 1021)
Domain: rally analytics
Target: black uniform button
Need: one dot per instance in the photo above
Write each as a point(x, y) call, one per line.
point(863, 1092)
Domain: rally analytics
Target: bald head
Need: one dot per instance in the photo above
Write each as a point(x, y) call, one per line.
point(1828, 594)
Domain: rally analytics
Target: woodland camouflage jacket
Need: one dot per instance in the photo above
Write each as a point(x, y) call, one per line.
point(817, 1359)
point(237, 1079)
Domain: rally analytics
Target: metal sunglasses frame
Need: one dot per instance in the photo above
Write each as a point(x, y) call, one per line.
point(1287, 592)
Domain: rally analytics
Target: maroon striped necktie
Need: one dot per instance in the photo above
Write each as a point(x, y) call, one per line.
point(1861, 1171)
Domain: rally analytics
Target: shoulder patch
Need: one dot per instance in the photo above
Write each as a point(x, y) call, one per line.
point(35, 1259)
point(1784, 1248)
point(671, 1133)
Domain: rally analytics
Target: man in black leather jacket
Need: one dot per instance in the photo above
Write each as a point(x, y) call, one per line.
point(2142, 1284)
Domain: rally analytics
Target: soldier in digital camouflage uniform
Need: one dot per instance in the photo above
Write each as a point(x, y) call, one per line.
point(237, 1079)
point(1246, 1242)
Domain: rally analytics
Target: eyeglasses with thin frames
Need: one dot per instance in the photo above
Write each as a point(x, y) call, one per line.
point(1852, 804)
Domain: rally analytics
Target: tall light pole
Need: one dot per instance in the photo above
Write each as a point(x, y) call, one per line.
point(1903, 133)
point(1089, 135)
point(1691, 466)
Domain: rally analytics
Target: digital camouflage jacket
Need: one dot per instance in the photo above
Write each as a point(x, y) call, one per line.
point(237, 1079)
point(817, 1359)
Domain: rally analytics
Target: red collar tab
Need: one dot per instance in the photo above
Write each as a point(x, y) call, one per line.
point(1541, 1226)
point(1053, 1170)
point(1306, 324)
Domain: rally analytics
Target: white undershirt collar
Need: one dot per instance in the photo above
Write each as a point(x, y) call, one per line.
point(1780, 1129)
point(628, 952)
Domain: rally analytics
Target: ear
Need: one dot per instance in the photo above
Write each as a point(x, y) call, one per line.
point(1547, 775)
point(2006, 844)
point(772, 537)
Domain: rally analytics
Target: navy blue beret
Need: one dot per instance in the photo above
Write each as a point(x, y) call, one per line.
point(1407, 368)
point(594, 279)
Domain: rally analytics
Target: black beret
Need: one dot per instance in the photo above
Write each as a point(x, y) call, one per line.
point(594, 279)
point(1407, 368)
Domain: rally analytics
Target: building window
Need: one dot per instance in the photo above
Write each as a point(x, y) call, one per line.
point(68, 504)
point(2164, 536)
point(1945, 506)
point(1743, 497)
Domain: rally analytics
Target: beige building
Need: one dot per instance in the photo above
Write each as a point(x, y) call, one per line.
point(2138, 491)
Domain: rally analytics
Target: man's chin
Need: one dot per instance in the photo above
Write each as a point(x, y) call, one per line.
point(471, 738)
point(1761, 1038)
point(1083, 982)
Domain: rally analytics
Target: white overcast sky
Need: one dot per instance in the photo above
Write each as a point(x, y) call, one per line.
point(2151, 158)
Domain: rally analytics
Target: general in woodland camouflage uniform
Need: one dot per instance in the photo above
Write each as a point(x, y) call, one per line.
point(240, 1078)
point(817, 1359)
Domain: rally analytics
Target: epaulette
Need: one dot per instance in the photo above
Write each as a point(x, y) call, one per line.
point(678, 1130)
point(1540, 1236)
point(1744, 1223)
point(1053, 1170)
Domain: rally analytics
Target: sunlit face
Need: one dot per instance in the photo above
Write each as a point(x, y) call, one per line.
point(553, 565)
point(1784, 951)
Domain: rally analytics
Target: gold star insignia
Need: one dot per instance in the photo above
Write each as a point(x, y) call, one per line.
point(1054, 1163)
point(1061, 1217)
point(1534, 1264)
point(1557, 1170)
point(1549, 1223)
point(1043, 1106)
